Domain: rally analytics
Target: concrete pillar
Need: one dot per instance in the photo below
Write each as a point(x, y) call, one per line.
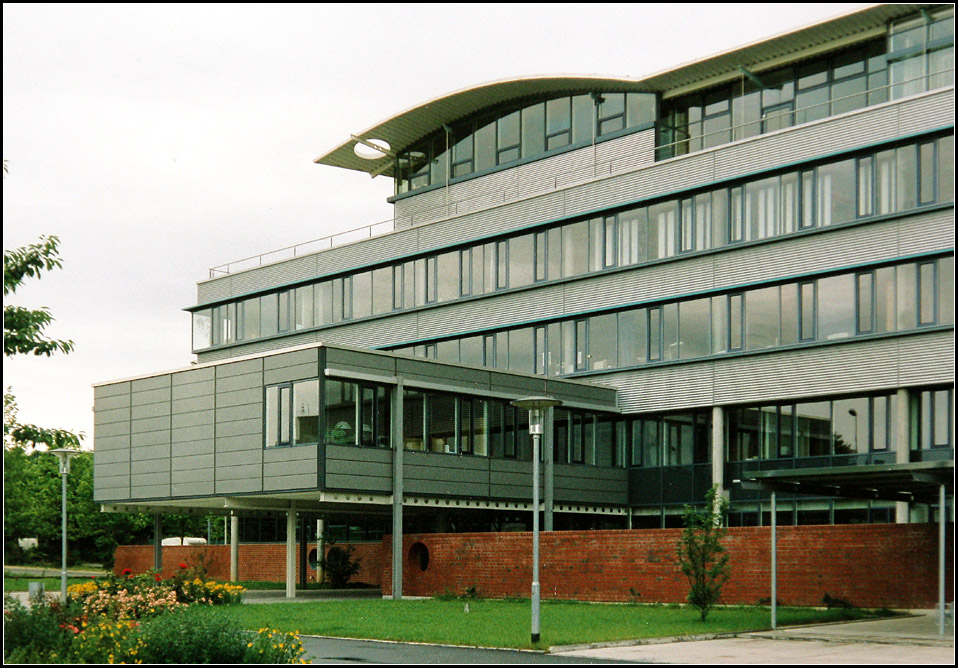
point(320, 549)
point(718, 449)
point(157, 542)
point(291, 551)
point(234, 548)
point(548, 497)
point(902, 433)
point(398, 448)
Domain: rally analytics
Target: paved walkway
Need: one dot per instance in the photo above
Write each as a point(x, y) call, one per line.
point(909, 640)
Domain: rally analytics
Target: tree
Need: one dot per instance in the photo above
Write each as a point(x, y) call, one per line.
point(702, 557)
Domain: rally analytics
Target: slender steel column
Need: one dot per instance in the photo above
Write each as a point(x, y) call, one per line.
point(397, 489)
point(774, 564)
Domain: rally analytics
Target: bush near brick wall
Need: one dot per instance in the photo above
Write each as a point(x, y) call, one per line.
point(257, 561)
point(894, 565)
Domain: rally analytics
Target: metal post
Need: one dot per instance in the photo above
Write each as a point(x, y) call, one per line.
point(535, 538)
point(157, 542)
point(397, 447)
point(291, 551)
point(774, 564)
point(942, 513)
point(63, 537)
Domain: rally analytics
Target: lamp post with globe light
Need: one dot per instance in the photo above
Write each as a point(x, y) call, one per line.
point(537, 406)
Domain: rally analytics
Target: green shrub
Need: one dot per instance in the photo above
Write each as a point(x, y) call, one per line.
point(701, 555)
point(109, 641)
point(41, 633)
point(339, 565)
point(195, 634)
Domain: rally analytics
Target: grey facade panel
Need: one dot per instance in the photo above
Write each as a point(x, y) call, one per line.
point(290, 373)
point(198, 390)
point(154, 424)
point(246, 381)
point(234, 398)
point(226, 431)
point(241, 412)
point(111, 429)
point(293, 359)
point(107, 457)
point(289, 481)
point(240, 443)
point(111, 402)
point(244, 367)
point(191, 488)
point(141, 385)
point(102, 392)
point(150, 411)
point(116, 470)
point(251, 473)
point(104, 416)
point(197, 404)
point(364, 483)
point(183, 448)
point(150, 396)
point(145, 490)
point(191, 434)
point(186, 461)
point(927, 232)
point(193, 419)
point(243, 483)
point(149, 438)
point(183, 379)
point(149, 466)
point(105, 443)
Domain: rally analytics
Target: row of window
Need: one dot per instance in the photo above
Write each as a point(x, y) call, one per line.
point(359, 414)
point(849, 426)
point(886, 299)
point(503, 136)
point(881, 182)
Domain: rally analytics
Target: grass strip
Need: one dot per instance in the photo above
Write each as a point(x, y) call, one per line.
point(505, 623)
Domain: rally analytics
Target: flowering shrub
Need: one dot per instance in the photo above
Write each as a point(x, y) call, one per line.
point(272, 646)
point(144, 618)
point(109, 641)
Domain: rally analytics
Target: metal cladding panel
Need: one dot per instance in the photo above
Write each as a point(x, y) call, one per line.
point(237, 369)
point(227, 432)
point(859, 366)
point(110, 402)
point(808, 254)
point(834, 134)
point(292, 359)
point(928, 111)
point(200, 404)
point(372, 333)
point(495, 311)
point(243, 482)
point(198, 392)
point(115, 456)
point(214, 290)
point(154, 410)
point(661, 388)
point(349, 359)
point(642, 284)
point(150, 466)
point(184, 380)
point(288, 271)
point(142, 385)
point(927, 359)
point(112, 390)
point(191, 488)
point(291, 373)
point(586, 484)
point(227, 386)
point(187, 462)
point(104, 416)
point(358, 469)
point(927, 232)
point(181, 420)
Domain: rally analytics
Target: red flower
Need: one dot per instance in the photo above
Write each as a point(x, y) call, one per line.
point(127, 571)
point(157, 578)
point(182, 565)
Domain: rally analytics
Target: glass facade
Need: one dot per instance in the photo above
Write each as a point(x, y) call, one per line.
point(504, 136)
point(867, 301)
point(880, 182)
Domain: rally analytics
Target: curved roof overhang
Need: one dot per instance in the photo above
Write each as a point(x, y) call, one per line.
point(409, 127)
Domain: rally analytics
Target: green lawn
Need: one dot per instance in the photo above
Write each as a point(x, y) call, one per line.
point(22, 582)
point(495, 623)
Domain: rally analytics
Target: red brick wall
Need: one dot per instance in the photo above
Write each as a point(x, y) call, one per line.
point(257, 561)
point(875, 565)
point(869, 565)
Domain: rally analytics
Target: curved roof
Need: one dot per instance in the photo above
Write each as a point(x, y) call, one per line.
point(408, 127)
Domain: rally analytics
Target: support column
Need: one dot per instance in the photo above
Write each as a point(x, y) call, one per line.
point(397, 445)
point(303, 554)
point(320, 549)
point(902, 433)
point(942, 537)
point(774, 563)
point(234, 548)
point(718, 449)
point(549, 490)
point(157, 543)
point(291, 551)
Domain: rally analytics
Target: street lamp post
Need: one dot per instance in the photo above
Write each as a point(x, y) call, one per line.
point(63, 455)
point(536, 407)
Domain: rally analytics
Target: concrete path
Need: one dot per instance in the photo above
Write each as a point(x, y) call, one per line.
point(909, 640)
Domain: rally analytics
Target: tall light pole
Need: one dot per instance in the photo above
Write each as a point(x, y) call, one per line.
point(536, 407)
point(63, 455)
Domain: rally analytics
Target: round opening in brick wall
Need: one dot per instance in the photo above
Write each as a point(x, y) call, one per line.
point(419, 555)
point(313, 560)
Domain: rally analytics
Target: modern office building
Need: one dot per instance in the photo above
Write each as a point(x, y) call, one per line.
point(742, 264)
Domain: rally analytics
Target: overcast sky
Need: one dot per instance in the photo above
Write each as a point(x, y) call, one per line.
point(158, 140)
